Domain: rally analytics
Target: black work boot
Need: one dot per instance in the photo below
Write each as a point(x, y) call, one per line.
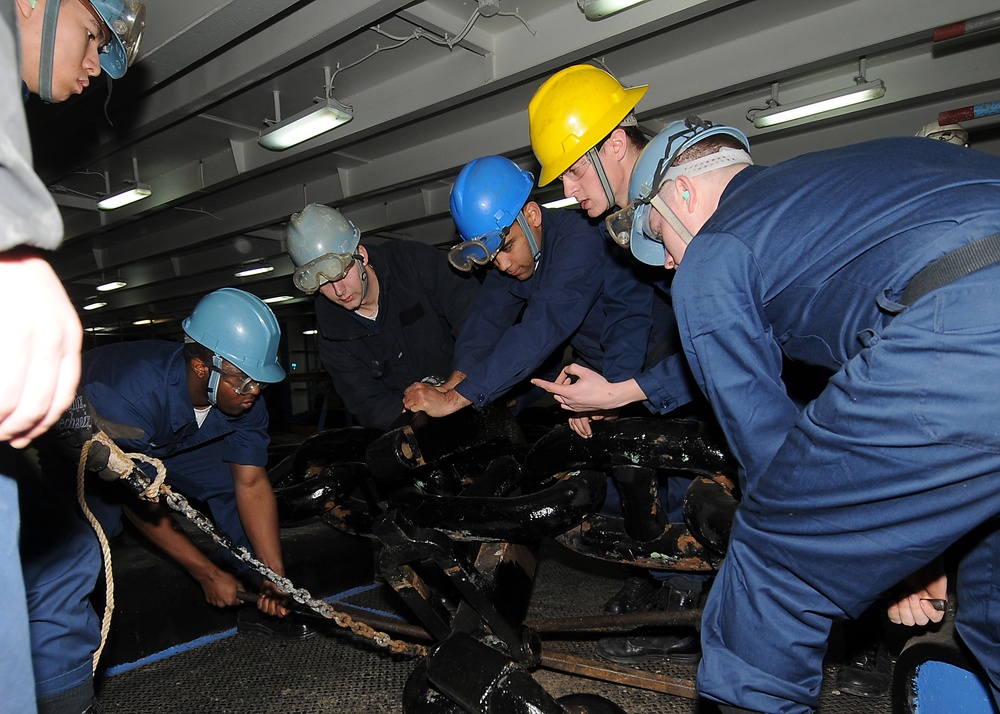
point(868, 673)
point(634, 596)
point(677, 649)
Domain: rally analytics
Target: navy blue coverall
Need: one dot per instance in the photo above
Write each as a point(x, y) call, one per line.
point(899, 456)
point(560, 302)
point(141, 384)
point(422, 304)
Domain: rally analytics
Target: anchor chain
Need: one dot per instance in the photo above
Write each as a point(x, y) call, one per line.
point(141, 485)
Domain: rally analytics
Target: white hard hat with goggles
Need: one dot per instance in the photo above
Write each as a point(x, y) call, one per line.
point(629, 227)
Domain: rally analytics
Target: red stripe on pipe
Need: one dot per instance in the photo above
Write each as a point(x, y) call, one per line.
point(956, 115)
point(948, 32)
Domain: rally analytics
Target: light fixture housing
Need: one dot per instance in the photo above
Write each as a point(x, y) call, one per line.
point(111, 285)
point(311, 331)
point(327, 114)
point(94, 305)
point(599, 9)
point(278, 298)
point(863, 91)
point(130, 195)
point(255, 268)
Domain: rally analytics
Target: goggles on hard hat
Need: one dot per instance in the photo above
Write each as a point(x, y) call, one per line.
point(126, 20)
point(635, 216)
point(470, 253)
point(327, 268)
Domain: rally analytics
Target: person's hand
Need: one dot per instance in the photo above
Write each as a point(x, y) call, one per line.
point(581, 422)
point(434, 401)
point(916, 606)
point(220, 588)
point(40, 368)
point(580, 389)
point(272, 601)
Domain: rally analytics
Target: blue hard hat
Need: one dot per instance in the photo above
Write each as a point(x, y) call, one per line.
point(240, 328)
point(487, 196)
point(126, 19)
point(651, 167)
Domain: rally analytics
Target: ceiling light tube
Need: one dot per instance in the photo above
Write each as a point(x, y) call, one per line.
point(278, 298)
point(131, 195)
point(305, 125)
point(94, 305)
point(253, 269)
point(861, 92)
point(598, 9)
point(112, 285)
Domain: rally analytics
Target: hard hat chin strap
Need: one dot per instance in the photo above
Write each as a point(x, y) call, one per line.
point(602, 176)
point(213, 380)
point(46, 59)
point(536, 252)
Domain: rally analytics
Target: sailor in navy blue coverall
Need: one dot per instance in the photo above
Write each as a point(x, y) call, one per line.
point(558, 300)
point(899, 456)
point(147, 385)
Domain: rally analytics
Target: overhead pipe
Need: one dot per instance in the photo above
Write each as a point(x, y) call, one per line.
point(967, 27)
point(973, 111)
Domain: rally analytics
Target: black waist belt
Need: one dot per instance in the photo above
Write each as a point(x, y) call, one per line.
point(957, 264)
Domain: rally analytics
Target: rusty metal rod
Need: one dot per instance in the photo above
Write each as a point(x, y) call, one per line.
point(571, 664)
point(615, 623)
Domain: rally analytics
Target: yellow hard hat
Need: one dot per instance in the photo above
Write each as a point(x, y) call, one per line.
point(572, 111)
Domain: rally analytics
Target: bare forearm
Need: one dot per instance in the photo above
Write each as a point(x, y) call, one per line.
point(258, 513)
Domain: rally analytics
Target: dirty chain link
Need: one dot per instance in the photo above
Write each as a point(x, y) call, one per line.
point(177, 502)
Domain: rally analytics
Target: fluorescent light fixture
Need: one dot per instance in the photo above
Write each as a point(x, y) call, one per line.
point(94, 305)
point(112, 285)
point(96, 329)
point(144, 321)
point(310, 332)
point(254, 269)
point(322, 117)
point(862, 92)
point(561, 203)
point(131, 195)
point(278, 298)
point(597, 9)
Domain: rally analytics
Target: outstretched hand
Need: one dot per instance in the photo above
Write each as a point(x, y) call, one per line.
point(580, 389)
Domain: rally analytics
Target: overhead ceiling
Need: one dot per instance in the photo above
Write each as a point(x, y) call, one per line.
point(186, 117)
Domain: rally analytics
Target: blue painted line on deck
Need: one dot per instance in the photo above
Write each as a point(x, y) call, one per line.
point(215, 637)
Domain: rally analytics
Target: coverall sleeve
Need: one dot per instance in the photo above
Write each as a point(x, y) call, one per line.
point(554, 312)
point(731, 349)
point(628, 316)
point(366, 397)
point(667, 383)
point(453, 294)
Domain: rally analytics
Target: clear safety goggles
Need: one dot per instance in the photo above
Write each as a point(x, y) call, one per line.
point(327, 268)
point(129, 26)
point(240, 383)
point(470, 253)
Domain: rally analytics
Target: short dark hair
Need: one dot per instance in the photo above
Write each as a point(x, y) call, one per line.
point(709, 146)
point(195, 351)
point(633, 134)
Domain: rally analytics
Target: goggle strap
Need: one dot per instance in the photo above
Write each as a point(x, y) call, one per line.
point(671, 218)
point(602, 176)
